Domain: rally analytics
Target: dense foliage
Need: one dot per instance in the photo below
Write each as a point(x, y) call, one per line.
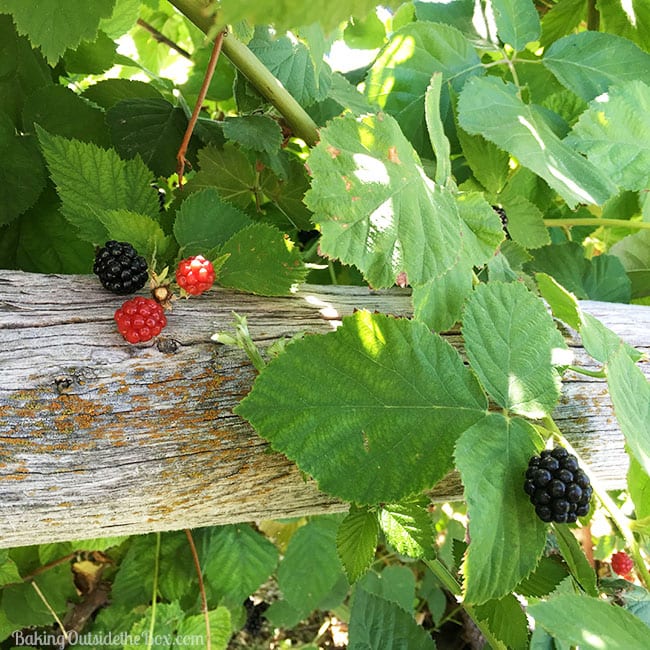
point(492, 156)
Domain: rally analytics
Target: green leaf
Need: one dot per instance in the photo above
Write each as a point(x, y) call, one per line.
point(576, 560)
point(634, 253)
point(517, 22)
point(589, 62)
point(55, 27)
point(377, 208)
point(544, 579)
point(152, 128)
point(356, 541)
point(8, 569)
point(91, 57)
point(398, 80)
point(365, 33)
point(562, 302)
point(193, 628)
point(255, 132)
point(590, 623)
point(408, 528)
point(600, 342)
point(513, 345)
point(628, 19)
point(205, 221)
point(108, 92)
point(166, 619)
point(228, 170)
point(436, 129)
point(125, 14)
point(141, 231)
point(395, 583)
point(235, 559)
point(488, 163)
point(261, 262)
point(90, 179)
point(373, 397)
point(379, 623)
point(507, 538)
point(61, 112)
point(525, 222)
point(507, 621)
point(22, 174)
point(310, 568)
point(600, 278)
point(493, 109)
point(614, 134)
point(562, 18)
point(638, 485)
point(630, 393)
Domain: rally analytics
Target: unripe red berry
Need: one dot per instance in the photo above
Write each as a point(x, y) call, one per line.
point(140, 319)
point(195, 274)
point(622, 563)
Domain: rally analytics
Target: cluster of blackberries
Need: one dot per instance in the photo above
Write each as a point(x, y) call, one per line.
point(119, 267)
point(557, 487)
point(254, 614)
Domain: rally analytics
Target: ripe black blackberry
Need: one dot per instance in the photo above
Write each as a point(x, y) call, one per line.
point(557, 487)
point(504, 219)
point(119, 267)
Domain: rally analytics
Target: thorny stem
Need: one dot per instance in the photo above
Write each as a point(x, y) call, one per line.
point(204, 600)
point(212, 64)
point(161, 38)
point(613, 223)
point(619, 519)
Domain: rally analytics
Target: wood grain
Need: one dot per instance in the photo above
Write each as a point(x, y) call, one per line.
point(103, 438)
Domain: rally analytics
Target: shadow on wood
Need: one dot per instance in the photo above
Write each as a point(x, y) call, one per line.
point(103, 438)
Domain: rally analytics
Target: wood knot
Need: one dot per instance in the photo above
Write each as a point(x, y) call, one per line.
point(167, 345)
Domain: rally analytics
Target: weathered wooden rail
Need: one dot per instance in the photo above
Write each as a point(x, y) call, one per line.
point(103, 438)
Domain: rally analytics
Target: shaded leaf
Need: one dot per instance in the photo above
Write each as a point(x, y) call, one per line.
point(634, 253)
point(108, 92)
point(562, 302)
point(256, 132)
point(517, 22)
point(507, 621)
point(573, 555)
point(193, 627)
point(356, 541)
point(373, 397)
point(506, 538)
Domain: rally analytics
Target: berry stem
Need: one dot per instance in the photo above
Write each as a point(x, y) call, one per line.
point(619, 519)
point(595, 221)
point(242, 340)
point(588, 373)
point(154, 593)
point(199, 575)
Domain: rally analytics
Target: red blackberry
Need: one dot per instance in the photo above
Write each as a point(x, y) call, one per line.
point(557, 487)
point(140, 319)
point(195, 274)
point(119, 267)
point(622, 564)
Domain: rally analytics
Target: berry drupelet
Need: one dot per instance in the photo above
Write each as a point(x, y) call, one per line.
point(119, 267)
point(557, 487)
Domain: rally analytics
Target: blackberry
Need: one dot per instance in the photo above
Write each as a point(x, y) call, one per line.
point(504, 219)
point(557, 487)
point(119, 267)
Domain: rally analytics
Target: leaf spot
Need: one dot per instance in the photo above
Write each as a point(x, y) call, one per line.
point(392, 156)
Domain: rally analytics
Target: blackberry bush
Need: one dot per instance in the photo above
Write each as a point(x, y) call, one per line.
point(119, 267)
point(557, 487)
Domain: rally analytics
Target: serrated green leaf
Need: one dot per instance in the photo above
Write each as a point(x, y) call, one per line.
point(483, 232)
point(90, 180)
point(228, 170)
point(161, 622)
point(581, 570)
point(562, 302)
point(373, 397)
point(488, 163)
point(124, 16)
point(61, 112)
point(630, 393)
point(55, 27)
point(8, 569)
point(310, 568)
point(408, 527)
point(638, 483)
point(544, 579)
point(600, 342)
point(193, 627)
point(205, 221)
point(513, 345)
point(22, 174)
point(628, 19)
point(517, 22)
point(562, 18)
point(255, 132)
point(493, 109)
point(436, 129)
point(91, 57)
point(261, 262)
point(398, 79)
point(141, 231)
point(589, 62)
point(108, 92)
point(507, 538)
point(525, 223)
point(356, 541)
point(614, 134)
point(365, 33)
point(150, 128)
point(223, 79)
point(379, 623)
point(634, 253)
point(395, 583)
point(507, 621)
point(600, 278)
point(235, 559)
point(377, 208)
point(590, 623)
